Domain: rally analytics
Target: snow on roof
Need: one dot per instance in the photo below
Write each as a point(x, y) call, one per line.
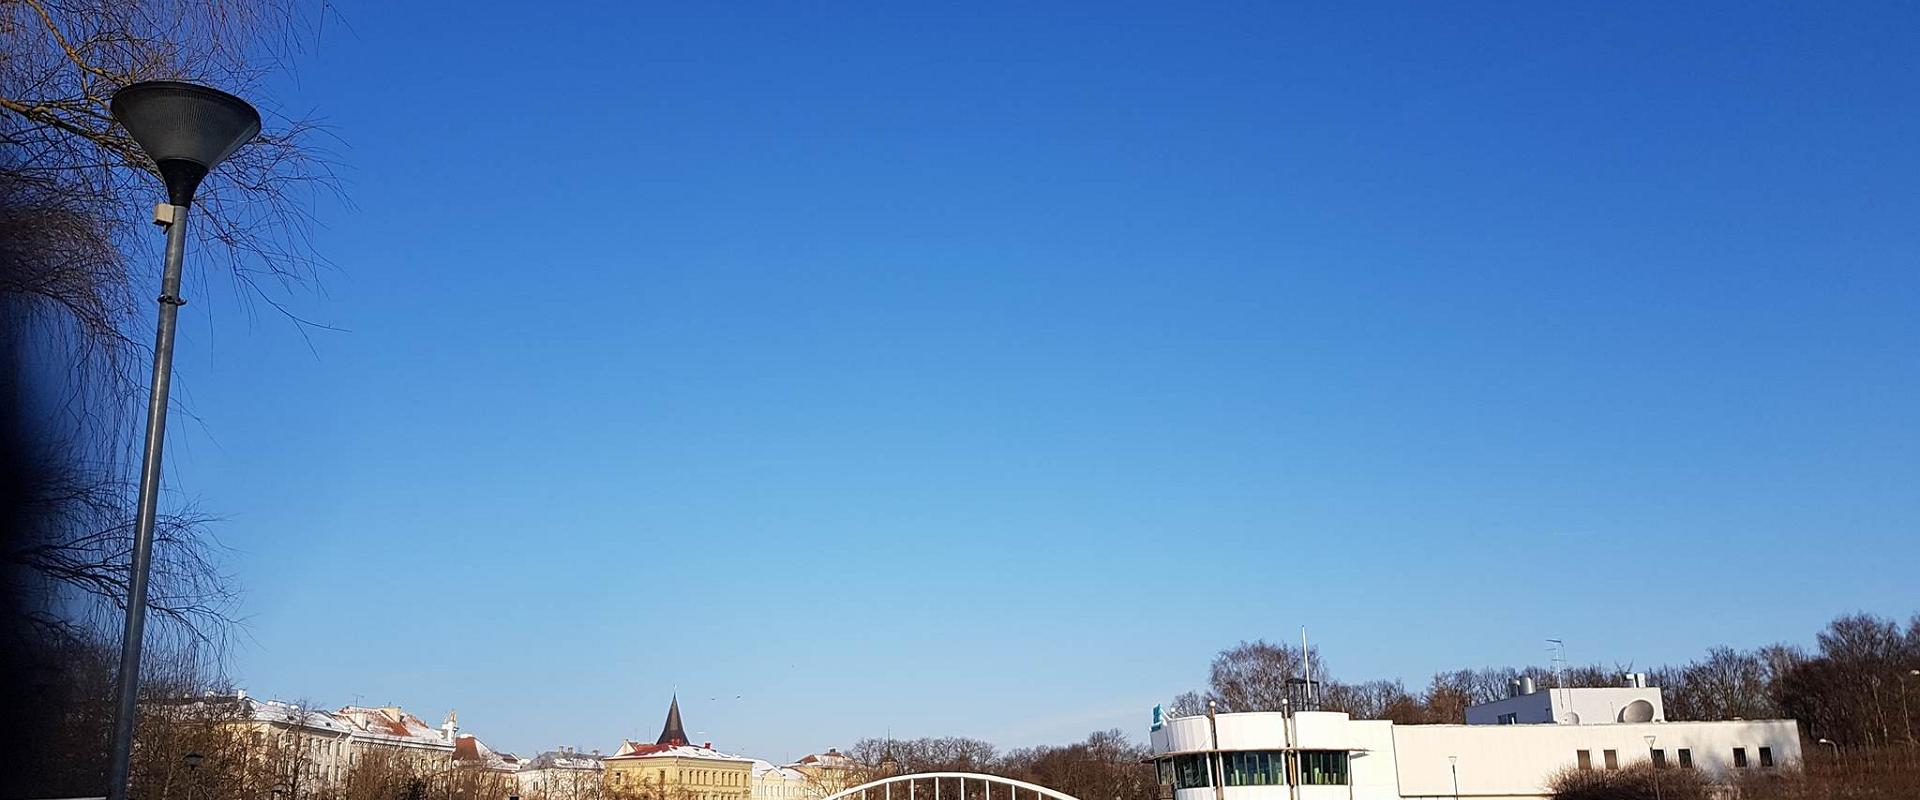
point(282, 713)
point(831, 758)
point(565, 759)
point(390, 722)
point(631, 749)
point(469, 750)
point(761, 768)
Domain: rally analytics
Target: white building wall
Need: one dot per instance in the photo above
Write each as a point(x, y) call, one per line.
point(1494, 761)
point(1518, 760)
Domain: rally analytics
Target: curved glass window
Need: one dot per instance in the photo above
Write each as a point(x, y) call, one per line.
point(1190, 772)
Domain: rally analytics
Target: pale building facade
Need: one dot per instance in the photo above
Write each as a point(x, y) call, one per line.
point(830, 771)
point(562, 774)
point(772, 782)
point(1323, 755)
point(311, 750)
point(305, 749)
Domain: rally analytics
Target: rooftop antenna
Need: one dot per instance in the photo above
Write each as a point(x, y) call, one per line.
point(1306, 658)
point(1559, 651)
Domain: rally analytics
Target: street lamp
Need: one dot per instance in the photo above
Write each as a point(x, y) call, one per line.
point(1453, 763)
point(187, 130)
point(193, 771)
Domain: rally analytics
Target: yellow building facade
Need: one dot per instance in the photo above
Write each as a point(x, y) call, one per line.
point(674, 769)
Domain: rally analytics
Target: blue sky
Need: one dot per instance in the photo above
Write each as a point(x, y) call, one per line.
point(983, 369)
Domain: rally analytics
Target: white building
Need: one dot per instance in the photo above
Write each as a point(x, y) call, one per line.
point(1329, 756)
point(562, 774)
point(772, 782)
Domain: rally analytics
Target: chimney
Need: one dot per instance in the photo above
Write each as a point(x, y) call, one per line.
point(708, 745)
point(1526, 685)
point(451, 727)
point(1513, 688)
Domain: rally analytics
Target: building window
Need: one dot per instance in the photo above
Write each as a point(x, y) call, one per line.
point(1686, 758)
point(1766, 757)
point(1659, 759)
point(1739, 758)
point(1323, 768)
point(1256, 768)
point(1612, 757)
point(1190, 772)
point(1584, 759)
point(1509, 719)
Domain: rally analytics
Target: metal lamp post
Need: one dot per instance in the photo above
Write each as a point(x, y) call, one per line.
point(1453, 763)
point(187, 130)
point(193, 761)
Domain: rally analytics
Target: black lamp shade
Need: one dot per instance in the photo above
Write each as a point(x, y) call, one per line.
point(187, 129)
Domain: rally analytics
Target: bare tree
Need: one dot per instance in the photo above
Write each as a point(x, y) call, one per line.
point(1256, 675)
point(76, 256)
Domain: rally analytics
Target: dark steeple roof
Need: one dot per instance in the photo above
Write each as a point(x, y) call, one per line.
point(673, 733)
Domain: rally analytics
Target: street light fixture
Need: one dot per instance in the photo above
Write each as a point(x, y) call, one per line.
point(1453, 763)
point(193, 771)
point(187, 130)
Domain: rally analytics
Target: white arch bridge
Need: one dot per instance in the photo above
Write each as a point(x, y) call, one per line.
point(958, 786)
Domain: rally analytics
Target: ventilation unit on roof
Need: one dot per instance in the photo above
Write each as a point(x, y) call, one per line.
point(1637, 711)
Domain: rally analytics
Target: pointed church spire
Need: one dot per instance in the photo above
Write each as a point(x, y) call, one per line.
point(673, 733)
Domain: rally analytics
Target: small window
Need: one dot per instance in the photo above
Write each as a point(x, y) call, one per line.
point(1766, 757)
point(1659, 759)
point(1686, 758)
point(1509, 719)
point(1612, 758)
point(1739, 758)
point(1585, 758)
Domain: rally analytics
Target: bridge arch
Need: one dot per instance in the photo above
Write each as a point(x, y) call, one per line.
point(914, 786)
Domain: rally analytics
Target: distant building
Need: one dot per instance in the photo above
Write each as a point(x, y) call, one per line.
point(674, 769)
point(310, 750)
point(389, 731)
point(1511, 752)
point(562, 774)
point(772, 782)
point(830, 771)
point(307, 749)
point(471, 753)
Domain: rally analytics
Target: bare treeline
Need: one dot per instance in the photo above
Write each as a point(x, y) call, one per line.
point(1858, 687)
point(1107, 764)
